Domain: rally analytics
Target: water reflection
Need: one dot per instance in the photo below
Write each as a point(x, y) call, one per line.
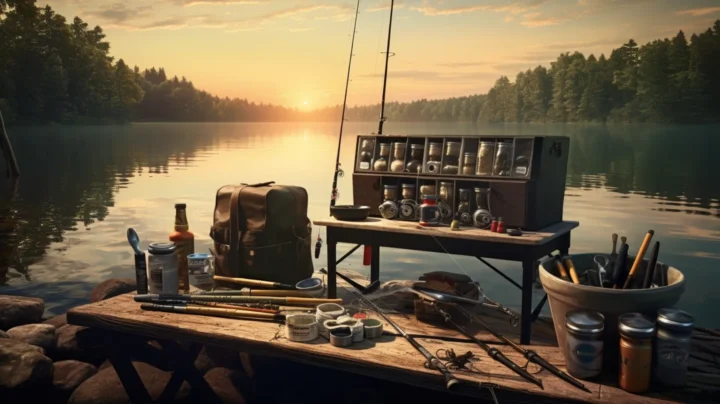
point(83, 186)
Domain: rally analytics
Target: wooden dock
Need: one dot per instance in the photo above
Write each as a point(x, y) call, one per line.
point(391, 358)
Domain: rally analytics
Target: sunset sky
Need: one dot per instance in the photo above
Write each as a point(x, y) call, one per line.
point(295, 52)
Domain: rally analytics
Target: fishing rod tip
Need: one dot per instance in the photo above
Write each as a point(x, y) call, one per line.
point(585, 389)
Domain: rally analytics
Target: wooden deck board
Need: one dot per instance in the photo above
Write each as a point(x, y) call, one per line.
point(389, 357)
point(471, 233)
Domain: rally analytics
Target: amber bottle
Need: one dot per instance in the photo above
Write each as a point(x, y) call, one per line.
point(185, 243)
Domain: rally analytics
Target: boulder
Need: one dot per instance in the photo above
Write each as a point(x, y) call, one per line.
point(42, 335)
point(227, 384)
point(23, 365)
point(112, 287)
point(105, 365)
point(68, 375)
point(57, 321)
point(19, 310)
point(80, 343)
point(105, 386)
point(3, 334)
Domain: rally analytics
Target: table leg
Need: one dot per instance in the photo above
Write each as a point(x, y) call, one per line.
point(332, 268)
point(526, 313)
point(122, 363)
point(184, 364)
point(375, 266)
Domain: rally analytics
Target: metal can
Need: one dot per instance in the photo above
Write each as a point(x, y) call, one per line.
point(584, 343)
point(163, 268)
point(672, 350)
point(200, 270)
point(636, 335)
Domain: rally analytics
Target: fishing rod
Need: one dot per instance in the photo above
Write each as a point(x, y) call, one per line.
point(450, 380)
point(334, 194)
point(528, 354)
point(184, 299)
point(492, 352)
point(387, 59)
point(213, 311)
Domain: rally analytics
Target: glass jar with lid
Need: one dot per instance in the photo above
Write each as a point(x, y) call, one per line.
point(398, 162)
point(451, 158)
point(469, 162)
point(366, 151)
point(485, 157)
point(390, 192)
point(636, 336)
point(463, 209)
point(434, 156)
point(447, 199)
point(503, 159)
point(674, 338)
point(584, 343)
point(427, 189)
point(381, 162)
point(416, 157)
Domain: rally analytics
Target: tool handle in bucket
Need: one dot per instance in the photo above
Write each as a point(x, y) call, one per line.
point(252, 282)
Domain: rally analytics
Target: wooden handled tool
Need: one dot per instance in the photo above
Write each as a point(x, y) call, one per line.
point(639, 258)
point(620, 269)
point(260, 292)
point(561, 269)
point(650, 269)
point(623, 240)
point(213, 311)
point(571, 267)
point(235, 307)
point(253, 282)
point(184, 299)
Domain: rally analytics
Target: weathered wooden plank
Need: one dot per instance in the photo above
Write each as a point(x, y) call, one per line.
point(399, 226)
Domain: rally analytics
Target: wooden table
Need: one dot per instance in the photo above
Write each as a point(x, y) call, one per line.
point(389, 357)
point(472, 242)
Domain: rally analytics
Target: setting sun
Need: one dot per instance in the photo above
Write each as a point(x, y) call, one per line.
point(305, 102)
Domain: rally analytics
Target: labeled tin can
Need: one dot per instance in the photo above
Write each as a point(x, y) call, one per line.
point(429, 211)
point(636, 336)
point(200, 270)
point(163, 268)
point(672, 350)
point(584, 343)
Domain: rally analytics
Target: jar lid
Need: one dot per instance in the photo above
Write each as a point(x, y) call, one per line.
point(417, 146)
point(390, 186)
point(436, 144)
point(161, 248)
point(585, 322)
point(470, 153)
point(464, 190)
point(180, 206)
point(395, 144)
point(408, 185)
point(384, 144)
point(445, 183)
point(487, 142)
point(430, 197)
point(451, 142)
point(675, 319)
point(480, 189)
point(636, 325)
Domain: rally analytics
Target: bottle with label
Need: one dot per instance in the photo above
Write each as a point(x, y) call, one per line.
point(185, 242)
point(584, 343)
point(636, 345)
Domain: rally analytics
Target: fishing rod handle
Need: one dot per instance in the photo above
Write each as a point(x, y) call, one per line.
point(252, 282)
point(500, 357)
point(532, 356)
point(434, 362)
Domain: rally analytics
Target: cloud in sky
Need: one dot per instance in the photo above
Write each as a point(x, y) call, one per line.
point(697, 12)
point(119, 12)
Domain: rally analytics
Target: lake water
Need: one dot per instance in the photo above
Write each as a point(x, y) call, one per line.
point(82, 187)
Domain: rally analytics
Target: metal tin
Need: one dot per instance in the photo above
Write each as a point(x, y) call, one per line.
point(408, 191)
point(373, 328)
point(636, 335)
point(200, 270)
point(584, 343)
point(429, 211)
point(163, 268)
point(341, 337)
point(672, 350)
point(390, 192)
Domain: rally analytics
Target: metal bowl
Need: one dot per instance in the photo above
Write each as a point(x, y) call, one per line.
point(350, 212)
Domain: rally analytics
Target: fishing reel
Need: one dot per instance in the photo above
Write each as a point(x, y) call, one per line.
point(388, 210)
point(482, 219)
point(465, 218)
point(408, 209)
point(432, 167)
point(445, 210)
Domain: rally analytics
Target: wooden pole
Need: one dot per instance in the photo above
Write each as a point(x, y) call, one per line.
point(7, 150)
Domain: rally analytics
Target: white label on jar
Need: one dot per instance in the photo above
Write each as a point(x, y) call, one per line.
point(584, 358)
point(364, 165)
point(522, 170)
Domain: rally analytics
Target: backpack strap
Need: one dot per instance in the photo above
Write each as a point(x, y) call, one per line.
point(235, 231)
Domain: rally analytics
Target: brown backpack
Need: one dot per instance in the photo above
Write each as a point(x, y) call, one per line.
point(261, 231)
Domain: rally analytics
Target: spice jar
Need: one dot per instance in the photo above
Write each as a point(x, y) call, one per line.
point(468, 165)
point(381, 163)
point(429, 211)
point(408, 191)
point(636, 335)
point(427, 190)
point(366, 148)
point(672, 350)
point(416, 156)
point(434, 151)
point(485, 156)
point(451, 158)
point(390, 192)
point(503, 159)
point(463, 209)
point(398, 162)
point(163, 268)
point(584, 343)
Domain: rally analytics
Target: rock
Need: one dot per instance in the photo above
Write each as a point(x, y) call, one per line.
point(23, 365)
point(57, 321)
point(80, 343)
point(3, 334)
point(105, 386)
point(68, 375)
point(105, 365)
point(42, 335)
point(19, 310)
point(227, 384)
point(112, 287)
